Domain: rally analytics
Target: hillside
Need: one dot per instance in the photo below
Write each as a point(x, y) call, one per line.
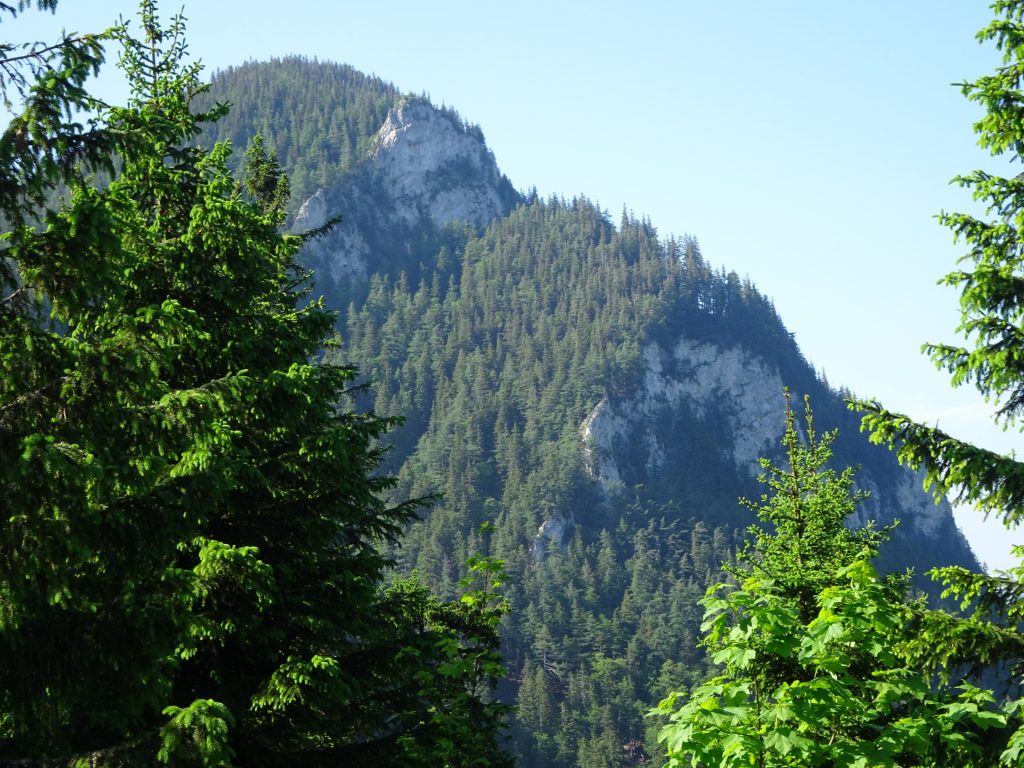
point(599, 393)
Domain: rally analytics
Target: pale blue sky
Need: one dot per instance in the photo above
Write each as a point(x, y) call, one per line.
point(806, 144)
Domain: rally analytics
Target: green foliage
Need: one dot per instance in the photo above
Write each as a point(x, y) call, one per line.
point(810, 646)
point(854, 702)
point(991, 358)
point(197, 734)
point(193, 517)
point(992, 307)
point(317, 118)
point(495, 357)
point(43, 145)
point(495, 360)
point(458, 665)
point(265, 182)
point(806, 542)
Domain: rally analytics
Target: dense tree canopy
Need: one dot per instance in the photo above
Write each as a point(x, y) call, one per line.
point(325, 115)
point(191, 564)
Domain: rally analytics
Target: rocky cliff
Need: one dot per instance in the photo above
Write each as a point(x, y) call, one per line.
point(427, 169)
point(624, 439)
point(697, 376)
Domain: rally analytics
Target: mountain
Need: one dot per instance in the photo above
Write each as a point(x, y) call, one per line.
point(598, 393)
point(394, 167)
point(424, 170)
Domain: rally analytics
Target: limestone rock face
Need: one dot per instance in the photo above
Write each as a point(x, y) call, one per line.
point(552, 531)
point(313, 212)
point(430, 167)
point(339, 257)
point(738, 395)
point(425, 170)
point(909, 503)
point(698, 376)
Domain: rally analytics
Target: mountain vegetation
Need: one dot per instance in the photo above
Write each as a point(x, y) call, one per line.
point(495, 344)
point(193, 521)
point(335, 111)
point(813, 647)
point(496, 373)
point(266, 556)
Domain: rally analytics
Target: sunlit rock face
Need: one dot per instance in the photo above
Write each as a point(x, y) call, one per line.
point(552, 532)
point(425, 170)
point(624, 439)
point(431, 167)
point(339, 257)
point(698, 376)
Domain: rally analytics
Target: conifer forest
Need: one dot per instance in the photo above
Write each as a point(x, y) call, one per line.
point(323, 444)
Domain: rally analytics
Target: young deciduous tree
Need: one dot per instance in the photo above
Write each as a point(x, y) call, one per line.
point(810, 644)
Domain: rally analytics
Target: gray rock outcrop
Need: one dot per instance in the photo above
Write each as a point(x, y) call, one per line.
point(425, 170)
point(745, 392)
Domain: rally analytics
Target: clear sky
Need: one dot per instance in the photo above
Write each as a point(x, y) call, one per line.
point(808, 145)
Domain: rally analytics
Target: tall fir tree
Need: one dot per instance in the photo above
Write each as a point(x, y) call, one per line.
point(191, 546)
point(991, 358)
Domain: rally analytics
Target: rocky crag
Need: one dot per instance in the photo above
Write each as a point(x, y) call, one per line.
point(426, 170)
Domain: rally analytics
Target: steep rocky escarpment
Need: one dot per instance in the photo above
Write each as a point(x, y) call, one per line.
point(431, 167)
point(427, 170)
point(625, 440)
point(698, 376)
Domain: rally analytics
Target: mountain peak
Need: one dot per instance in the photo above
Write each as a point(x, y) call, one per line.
point(601, 396)
point(430, 164)
point(425, 169)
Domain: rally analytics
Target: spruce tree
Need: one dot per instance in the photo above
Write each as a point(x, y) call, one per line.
point(991, 358)
point(810, 644)
point(191, 545)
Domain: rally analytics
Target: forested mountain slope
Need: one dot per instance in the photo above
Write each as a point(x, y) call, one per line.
point(321, 116)
point(599, 393)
